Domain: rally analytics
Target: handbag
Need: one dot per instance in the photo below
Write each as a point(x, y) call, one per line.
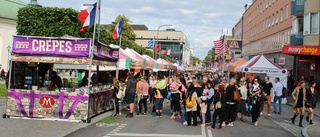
point(218, 104)
point(236, 96)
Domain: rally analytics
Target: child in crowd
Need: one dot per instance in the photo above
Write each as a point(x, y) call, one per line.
point(203, 106)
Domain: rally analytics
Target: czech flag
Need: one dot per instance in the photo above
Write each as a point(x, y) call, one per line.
point(87, 16)
point(117, 30)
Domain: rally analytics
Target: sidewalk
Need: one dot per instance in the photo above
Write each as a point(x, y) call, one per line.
point(39, 128)
point(310, 130)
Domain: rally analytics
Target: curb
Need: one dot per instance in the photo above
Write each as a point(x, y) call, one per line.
point(304, 131)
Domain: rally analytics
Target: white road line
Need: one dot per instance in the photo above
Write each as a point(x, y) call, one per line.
point(203, 132)
point(124, 124)
point(209, 132)
point(115, 130)
point(152, 135)
point(112, 132)
point(119, 128)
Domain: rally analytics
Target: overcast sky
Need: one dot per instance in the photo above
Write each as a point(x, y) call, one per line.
point(201, 21)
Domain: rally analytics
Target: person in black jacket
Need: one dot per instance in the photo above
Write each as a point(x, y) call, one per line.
point(312, 99)
point(131, 92)
point(222, 97)
point(116, 87)
point(231, 104)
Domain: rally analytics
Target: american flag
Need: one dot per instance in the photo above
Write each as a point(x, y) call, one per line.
point(217, 46)
point(225, 47)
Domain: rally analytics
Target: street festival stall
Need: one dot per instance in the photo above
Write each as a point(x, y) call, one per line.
point(31, 61)
point(261, 65)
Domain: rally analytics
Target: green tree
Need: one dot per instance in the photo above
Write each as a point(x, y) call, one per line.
point(208, 58)
point(194, 60)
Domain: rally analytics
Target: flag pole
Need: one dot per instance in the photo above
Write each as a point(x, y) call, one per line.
point(91, 49)
point(117, 65)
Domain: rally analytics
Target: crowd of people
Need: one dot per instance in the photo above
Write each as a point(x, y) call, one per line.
point(202, 97)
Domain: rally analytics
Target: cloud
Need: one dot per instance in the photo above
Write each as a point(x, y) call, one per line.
point(201, 20)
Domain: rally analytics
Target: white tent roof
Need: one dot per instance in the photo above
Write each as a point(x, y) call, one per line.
point(240, 68)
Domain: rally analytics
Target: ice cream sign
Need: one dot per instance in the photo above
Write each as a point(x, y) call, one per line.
point(51, 46)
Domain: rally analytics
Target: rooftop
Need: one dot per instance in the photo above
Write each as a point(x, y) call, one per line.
point(9, 9)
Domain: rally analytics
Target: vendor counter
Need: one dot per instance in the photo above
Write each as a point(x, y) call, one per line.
point(71, 106)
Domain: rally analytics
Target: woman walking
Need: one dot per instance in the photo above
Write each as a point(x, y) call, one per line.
point(221, 97)
point(312, 98)
point(231, 103)
point(299, 96)
point(143, 96)
point(192, 110)
point(255, 96)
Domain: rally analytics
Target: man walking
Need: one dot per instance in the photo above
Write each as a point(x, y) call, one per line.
point(267, 89)
point(277, 96)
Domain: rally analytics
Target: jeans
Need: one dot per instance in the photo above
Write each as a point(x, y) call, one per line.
point(275, 99)
point(208, 113)
point(158, 103)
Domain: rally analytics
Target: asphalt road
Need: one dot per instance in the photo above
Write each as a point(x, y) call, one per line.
point(146, 126)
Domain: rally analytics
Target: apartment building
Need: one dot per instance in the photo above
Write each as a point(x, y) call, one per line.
point(266, 28)
point(305, 40)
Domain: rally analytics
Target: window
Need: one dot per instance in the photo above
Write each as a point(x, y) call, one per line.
point(277, 14)
point(269, 24)
point(261, 7)
point(311, 23)
point(314, 23)
point(287, 12)
point(266, 3)
point(281, 15)
point(272, 19)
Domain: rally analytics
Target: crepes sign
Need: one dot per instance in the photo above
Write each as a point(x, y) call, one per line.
point(28, 45)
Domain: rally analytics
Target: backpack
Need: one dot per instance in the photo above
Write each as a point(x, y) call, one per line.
point(190, 102)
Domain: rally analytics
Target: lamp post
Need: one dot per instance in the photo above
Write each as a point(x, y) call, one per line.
point(154, 54)
point(8, 58)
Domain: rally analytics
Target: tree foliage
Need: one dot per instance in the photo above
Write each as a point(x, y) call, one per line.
point(57, 22)
point(194, 60)
point(208, 58)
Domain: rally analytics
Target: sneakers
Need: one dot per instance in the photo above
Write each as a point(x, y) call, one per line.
point(141, 114)
point(202, 125)
point(231, 125)
point(269, 115)
point(185, 123)
point(279, 113)
point(256, 123)
point(210, 128)
point(155, 116)
point(130, 115)
point(261, 113)
point(223, 124)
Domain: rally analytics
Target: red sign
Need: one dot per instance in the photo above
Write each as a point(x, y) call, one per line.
point(313, 67)
point(301, 50)
point(303, 60)
point(47, 101)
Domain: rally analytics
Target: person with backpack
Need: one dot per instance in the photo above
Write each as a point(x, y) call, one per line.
point(191, 107)
point(160, 93)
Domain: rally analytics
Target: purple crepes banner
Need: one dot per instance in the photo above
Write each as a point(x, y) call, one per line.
point(105, 52)
point(51, 46)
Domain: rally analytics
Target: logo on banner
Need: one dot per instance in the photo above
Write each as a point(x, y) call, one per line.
point(22, 45)
point(80, 47)
point(282, 60)
point(115, 53)
point(47, 101)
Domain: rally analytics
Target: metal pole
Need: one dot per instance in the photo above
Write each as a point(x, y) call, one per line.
point(117, 66)
point(155, 57)
point(99, 8)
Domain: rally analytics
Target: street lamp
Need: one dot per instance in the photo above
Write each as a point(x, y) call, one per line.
point(8, 57)
point(158, 37)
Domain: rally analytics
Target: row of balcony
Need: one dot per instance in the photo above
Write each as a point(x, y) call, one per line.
point(297, 7)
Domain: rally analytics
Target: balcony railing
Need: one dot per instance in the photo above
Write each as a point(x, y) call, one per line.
point(297, 7)
point(296, 39)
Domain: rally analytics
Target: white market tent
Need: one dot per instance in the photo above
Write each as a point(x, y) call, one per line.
point(261, 64)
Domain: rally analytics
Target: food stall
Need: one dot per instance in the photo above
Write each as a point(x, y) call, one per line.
point(32, 60)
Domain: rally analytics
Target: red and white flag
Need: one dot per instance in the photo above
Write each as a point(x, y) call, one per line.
point(167, 52)
point(117, 30)
point(87, 16)
point(225, 47)
point(217, 46)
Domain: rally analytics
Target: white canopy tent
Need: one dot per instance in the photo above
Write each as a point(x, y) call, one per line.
point(262, 65)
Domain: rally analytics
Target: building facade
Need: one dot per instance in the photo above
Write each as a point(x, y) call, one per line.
point(267, 26)
point(169, 39)
point(305, 40)
point(8, 18)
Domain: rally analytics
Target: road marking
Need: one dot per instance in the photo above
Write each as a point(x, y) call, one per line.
point(115, 130)
point(152, 135)
point(203, 132)
point(209, 132)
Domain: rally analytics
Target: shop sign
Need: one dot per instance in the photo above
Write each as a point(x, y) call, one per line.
point(303, 60)
point(46, 101)
point(51, 46)
point(265, 70)
point(282, 60)
point(313, 66)
point(301, 50)
point(105, 51)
